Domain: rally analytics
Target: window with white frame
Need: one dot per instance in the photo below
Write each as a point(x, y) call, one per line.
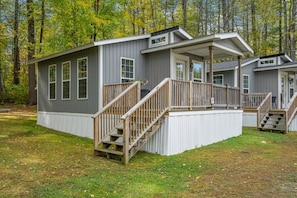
point(52, 77)
point(82, 78)
point(127, 69)
point(197, 72)
point(180, 70)
point(158, 40)
point(218, 79)
point(66, 72)
point(291, 85)
point(246, 83)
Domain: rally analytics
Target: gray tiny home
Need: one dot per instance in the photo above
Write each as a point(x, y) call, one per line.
point(72, 92)
point(273, 73)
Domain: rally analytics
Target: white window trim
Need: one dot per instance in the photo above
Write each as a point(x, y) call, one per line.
point(202, 70)
point(219, 75)
point(260, 64)
point(248, 83)
point(49, 83)
point(156, 37)
point(121, 69)
point(78, 79)
point(62, 87)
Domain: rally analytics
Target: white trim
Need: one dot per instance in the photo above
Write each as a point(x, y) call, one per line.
point(78, 79)
point(93, 44)
point(124, 78)
point(274, 67)
point(248, 83)
point(55, 82)
point(165, 42)
point(62, 80)
point(227, 49)
point(219, 75)
point(100, 70)
point(271, 62)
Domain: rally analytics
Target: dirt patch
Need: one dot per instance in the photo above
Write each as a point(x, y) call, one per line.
point(30, 110)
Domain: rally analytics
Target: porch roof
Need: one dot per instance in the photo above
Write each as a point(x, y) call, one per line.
point(224, 45)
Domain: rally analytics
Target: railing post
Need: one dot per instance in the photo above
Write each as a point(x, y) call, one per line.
point(190, 94)
point(169, 93)
point(126, 140)
point(96, 132)
point(227, 96)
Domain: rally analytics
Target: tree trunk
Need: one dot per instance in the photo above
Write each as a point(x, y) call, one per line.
point(293, 30)
point(16, 50)
point(41, 25)
point(254, 33)
point(225, 16)
point(31, 47)
point(285, 27)
point(2, 86)
point(185, 19)
point(280, 28)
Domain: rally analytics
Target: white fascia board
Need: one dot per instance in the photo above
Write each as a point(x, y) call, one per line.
point(62, 53)
point(93, 44)
point(228, 49)
point(123, 39)
point(275, 67)
point(249, 62)
point(186, 34)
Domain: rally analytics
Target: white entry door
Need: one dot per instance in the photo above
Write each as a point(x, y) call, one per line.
point(180, 70)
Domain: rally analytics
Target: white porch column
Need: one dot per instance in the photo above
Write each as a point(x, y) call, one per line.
point(211, 71)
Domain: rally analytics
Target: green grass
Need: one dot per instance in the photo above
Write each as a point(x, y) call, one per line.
point(39, 162)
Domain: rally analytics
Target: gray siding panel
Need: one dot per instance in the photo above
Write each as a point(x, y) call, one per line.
point(112, 56)
point(158, 67)
point(248, 70)
point(267, 81)
point(73, 105)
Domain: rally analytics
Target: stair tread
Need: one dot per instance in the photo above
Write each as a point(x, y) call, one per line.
point(113, 142)
point(109, 151)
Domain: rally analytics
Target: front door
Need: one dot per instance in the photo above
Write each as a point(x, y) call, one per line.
point(284, 90)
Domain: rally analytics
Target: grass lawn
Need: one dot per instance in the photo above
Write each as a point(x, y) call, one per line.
point(39, 162)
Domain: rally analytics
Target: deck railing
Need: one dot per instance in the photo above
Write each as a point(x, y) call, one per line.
point(110, 116)
point(291, 111)
point(113, 90)
point(264, 108)
point(144, 114)
point(253, 100)
point(225, 96)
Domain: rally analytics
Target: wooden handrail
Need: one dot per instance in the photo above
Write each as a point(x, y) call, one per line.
point(109, 116)
point(111, 91)
point(290, 111)
point(264, 108)
point(252, 100)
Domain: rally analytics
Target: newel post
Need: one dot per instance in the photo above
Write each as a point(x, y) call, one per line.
point(227, 96)
point(239, 81)
point(126, 140)
point(211, 74)
point(96, 132)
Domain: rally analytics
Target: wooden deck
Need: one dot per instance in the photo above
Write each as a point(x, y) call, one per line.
point(135, 120)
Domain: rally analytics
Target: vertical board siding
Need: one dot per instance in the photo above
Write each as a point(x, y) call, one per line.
point(267, 81)
point(188, 130)
point(112, 54)
point(73, 105)
point(76, 124)
point(158, 67)
point(293, 125)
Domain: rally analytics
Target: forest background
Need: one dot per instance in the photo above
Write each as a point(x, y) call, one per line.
point(34, 28)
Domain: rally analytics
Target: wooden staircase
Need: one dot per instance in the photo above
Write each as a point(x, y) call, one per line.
point(112, 147)
point(120, 130)
point(274, 120)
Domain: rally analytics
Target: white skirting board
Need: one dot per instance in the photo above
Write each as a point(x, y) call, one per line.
point(183, 131)
point(77, 124)
point(293, 125)
point(249, 119)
